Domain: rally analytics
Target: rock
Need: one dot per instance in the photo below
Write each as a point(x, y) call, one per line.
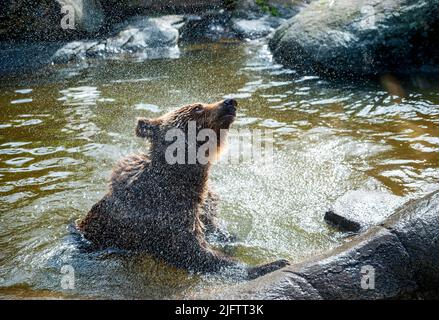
point(360, 37)
point(242, 20)
point(139, 37)
point(360, 209)
point(74, 50)
point(211, 26)
point(256, 28)
point(41, 20)
point(341, 223)
point(416, 225)
point(251, 9)
point(397, 259)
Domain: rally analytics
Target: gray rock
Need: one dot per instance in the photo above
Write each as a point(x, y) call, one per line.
point(256, 28)
point(360, 209)
point(210, 26)
point(245, 20)
point(341, 223)
point(417, 227)
point(140, 37)
point(250, 10)
point(360, 37)
point(340, 276)
point(74, 50)
point(397, 259)
point(274, 286)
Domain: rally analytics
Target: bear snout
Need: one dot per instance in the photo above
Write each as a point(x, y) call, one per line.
point(228, 107)
point(230, 102)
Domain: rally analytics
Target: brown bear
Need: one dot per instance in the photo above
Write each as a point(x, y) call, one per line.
point(164, 207)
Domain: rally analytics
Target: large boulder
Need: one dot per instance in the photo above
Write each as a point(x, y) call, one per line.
point(397, 259)
point(361, 37)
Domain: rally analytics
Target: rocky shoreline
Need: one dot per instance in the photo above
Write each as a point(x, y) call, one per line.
point(129, 29)
point(396, 259)
point(342, 39)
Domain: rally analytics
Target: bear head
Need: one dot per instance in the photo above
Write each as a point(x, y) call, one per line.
point(192, 134)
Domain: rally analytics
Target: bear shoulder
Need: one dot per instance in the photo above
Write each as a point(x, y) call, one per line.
point(127, 170)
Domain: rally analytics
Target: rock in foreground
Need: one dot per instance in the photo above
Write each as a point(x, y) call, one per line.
point(361, 37)
point(395, 260)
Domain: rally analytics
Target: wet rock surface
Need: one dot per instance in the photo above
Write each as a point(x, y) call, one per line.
point(118, 29)
point(347, 38)
point(360, 209)
point(245, 21)
point(341, 223)
point(140, 37)
point(256, 28)
point(417, 227)
point(210, 26)
point(397, 259)
point(214, 26)
point(144, 37)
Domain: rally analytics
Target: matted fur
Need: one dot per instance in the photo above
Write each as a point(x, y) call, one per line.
point(165, 209)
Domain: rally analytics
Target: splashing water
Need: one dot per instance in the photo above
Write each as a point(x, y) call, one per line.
point(61, 133)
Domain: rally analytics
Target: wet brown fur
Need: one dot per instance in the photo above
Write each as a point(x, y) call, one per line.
point(163, 209)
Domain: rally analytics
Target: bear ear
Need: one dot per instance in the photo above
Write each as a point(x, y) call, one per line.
point(145, 128)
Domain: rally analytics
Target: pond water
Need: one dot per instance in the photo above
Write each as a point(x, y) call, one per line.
point(62, 129)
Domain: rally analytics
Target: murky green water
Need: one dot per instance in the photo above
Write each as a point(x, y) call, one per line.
point(62, 130)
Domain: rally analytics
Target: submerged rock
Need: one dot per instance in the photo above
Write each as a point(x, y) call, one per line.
point(397, 259)
point(361, 37)
point(341, 223)
point(360, 209)
point(140, 37)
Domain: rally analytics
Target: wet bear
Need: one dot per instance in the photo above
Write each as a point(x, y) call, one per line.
point(160, 202)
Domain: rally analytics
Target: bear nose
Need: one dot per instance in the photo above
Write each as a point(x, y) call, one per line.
point(230, 102)
point(230, 106)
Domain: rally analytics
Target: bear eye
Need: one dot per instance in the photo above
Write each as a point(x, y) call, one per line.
point(199, 109)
